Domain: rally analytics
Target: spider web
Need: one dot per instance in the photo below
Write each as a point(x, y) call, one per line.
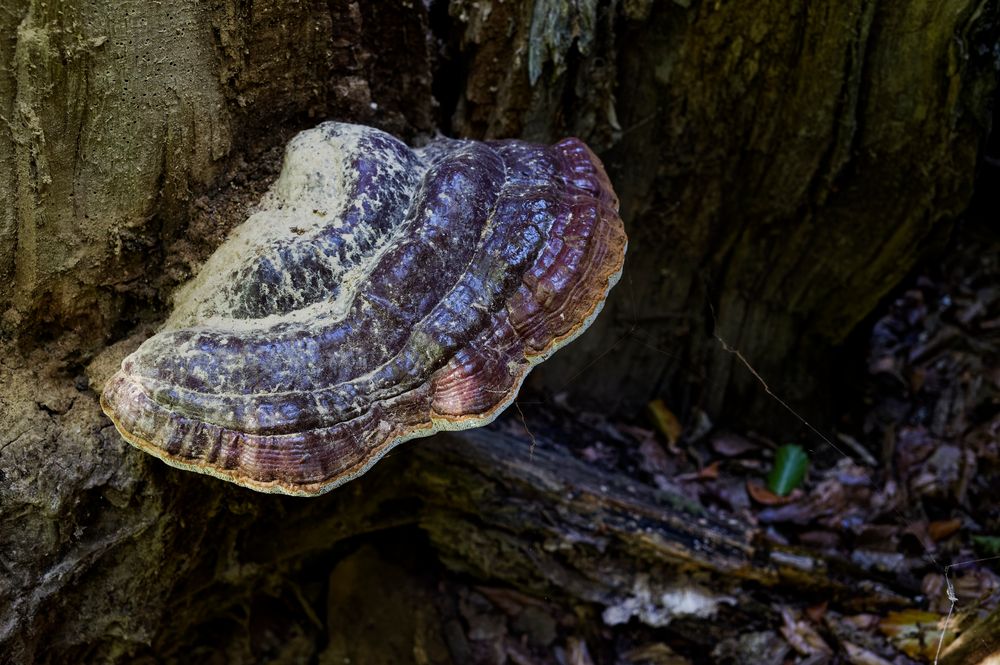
point(633, 333)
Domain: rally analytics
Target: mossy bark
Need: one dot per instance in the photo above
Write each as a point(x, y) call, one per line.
point(781, 165)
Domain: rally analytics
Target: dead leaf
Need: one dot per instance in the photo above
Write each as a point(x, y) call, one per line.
point(665, 421)
point(654, 459)
point(729, 444)
point(766, 497)
point(975, 584)
point(863, 621)
point(942, 529)
point(915, 632)
point(802, 636)
point(710, 472)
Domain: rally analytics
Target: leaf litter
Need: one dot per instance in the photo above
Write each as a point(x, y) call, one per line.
point(910, 495)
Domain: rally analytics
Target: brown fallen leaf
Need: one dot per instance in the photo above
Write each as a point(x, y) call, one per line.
point(941, 529)
point(766, 497)
point(710, 472)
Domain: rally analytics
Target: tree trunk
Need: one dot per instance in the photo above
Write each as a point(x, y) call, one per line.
point(780, 166)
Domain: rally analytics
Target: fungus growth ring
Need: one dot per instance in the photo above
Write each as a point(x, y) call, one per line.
point(379, 293)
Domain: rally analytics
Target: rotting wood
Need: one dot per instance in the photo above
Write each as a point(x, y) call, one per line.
point(547, 520)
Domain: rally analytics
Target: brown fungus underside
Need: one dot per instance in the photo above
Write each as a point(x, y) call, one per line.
point(379, 294)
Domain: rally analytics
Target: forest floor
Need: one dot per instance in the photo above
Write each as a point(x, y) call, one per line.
point(900, 491)
point(903, 489)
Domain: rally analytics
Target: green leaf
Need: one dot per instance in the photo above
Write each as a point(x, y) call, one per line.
point(987, 545)
point(790, 466)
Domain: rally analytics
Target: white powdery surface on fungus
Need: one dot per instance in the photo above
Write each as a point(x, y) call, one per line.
point(307, 208)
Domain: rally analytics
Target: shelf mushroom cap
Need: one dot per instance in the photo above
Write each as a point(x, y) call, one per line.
point(379, 293)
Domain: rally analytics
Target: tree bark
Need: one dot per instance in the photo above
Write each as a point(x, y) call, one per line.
point(785, 166)
point(780, 166)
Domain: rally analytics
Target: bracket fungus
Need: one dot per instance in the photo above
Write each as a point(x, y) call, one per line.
point(379, 293)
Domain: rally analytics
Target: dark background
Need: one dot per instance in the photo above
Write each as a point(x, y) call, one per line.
point(782, 168)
